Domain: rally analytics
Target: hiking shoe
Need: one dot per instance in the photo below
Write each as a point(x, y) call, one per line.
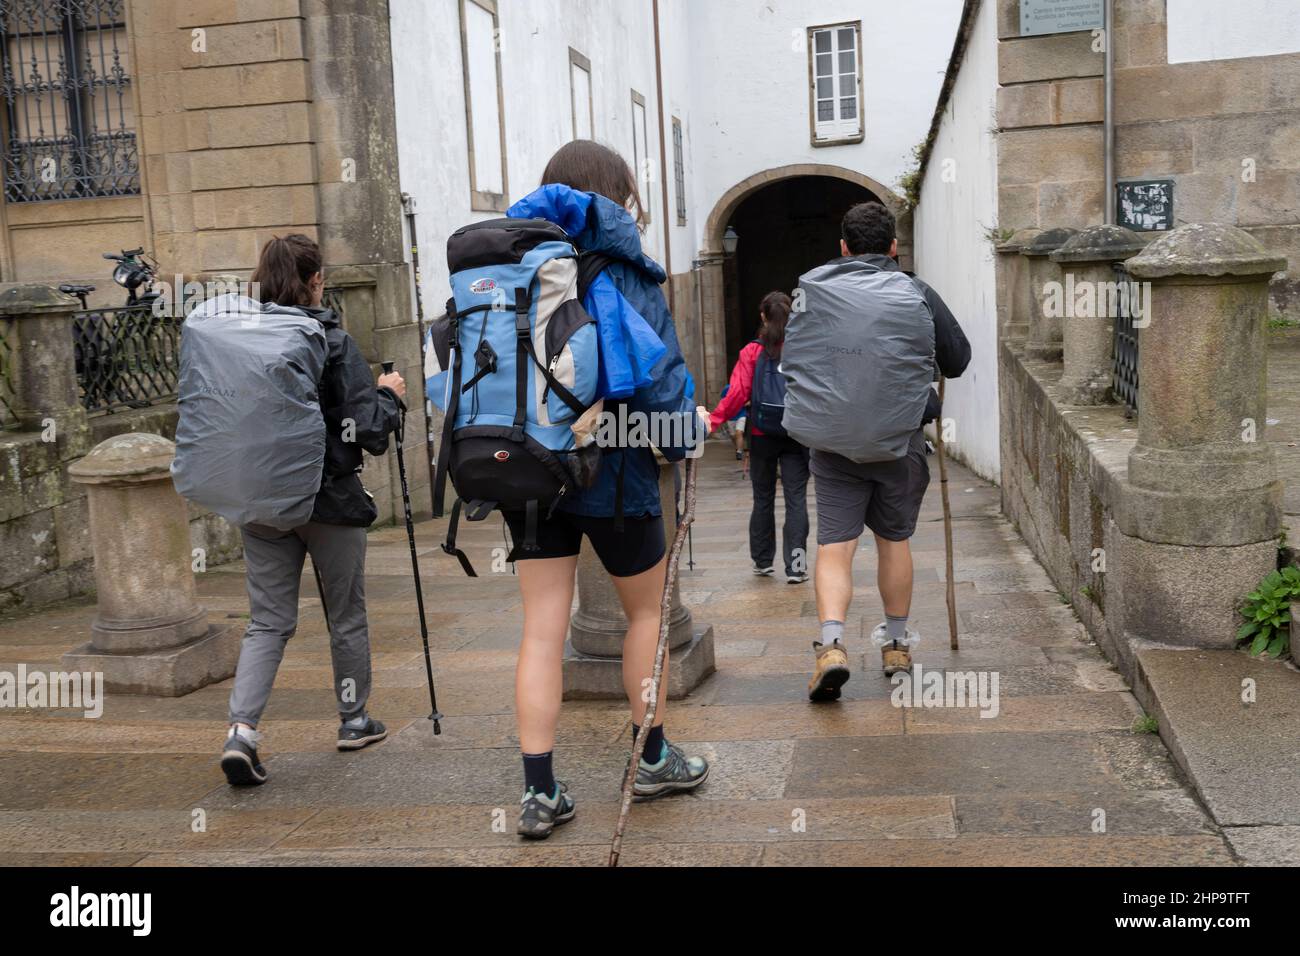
point(831, 673)
point(239, 761)
point(895, 656)
point(764, 570)
point(540, 814)
point(896, 659)
point(674, 773)
point(354, 738)
point(799, 578)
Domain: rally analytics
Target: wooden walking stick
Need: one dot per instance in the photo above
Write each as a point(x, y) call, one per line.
point(665, 608)
point(947, 527)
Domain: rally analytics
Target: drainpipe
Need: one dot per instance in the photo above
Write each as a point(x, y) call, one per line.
point(1108, 125)
point(663, 164)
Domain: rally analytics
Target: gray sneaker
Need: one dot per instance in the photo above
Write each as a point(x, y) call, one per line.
point(540, 814)
point(673, 773)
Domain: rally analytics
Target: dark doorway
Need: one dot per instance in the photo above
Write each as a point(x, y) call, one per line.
point(784, 230)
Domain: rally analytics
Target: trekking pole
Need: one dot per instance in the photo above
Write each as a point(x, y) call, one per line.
point(408, 204)
point(947, 528)
point(415, 566)
point(665, 608)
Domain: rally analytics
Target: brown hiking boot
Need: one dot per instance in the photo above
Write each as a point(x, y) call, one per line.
point(831, 673)
point(897, 659)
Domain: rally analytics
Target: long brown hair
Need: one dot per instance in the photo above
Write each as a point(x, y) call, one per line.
point(284, 270)
point(775, 309)
point(591, 167)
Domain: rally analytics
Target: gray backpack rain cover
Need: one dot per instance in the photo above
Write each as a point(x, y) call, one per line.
point(250, 436)
point(858, 361)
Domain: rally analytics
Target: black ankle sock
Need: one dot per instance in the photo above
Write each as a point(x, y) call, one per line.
point(653, 751)
point(538, 774)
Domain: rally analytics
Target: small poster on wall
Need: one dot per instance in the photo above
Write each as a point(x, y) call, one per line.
point(1041, 17)
point(1145, 205)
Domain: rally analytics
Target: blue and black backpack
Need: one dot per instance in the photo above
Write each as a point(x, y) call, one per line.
point(513, 364)
point(767, 396)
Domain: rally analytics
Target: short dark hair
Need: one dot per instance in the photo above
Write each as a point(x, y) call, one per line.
point(868, 228)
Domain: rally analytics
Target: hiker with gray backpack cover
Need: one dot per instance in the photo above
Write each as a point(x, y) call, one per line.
point(859, 359)
point(276, 405)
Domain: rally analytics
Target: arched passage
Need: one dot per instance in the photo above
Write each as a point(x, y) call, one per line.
point(787, 220)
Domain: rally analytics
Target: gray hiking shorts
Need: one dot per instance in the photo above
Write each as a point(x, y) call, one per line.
point(884, 496)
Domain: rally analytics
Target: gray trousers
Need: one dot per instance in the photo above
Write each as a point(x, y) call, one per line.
point(274, 560)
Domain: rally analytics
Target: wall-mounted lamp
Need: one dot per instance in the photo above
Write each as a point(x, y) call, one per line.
point(730, 241)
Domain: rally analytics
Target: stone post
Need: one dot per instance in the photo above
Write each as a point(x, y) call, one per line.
point(1044, 341)
point(1091, 299)
point(1015, 304)
point(1201, 510)
point(45, 367)
point(150, 635)
point(593, 659)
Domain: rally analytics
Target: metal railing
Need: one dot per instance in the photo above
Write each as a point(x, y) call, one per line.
point(1124, 371)
point(126, 357)
point(69, 129)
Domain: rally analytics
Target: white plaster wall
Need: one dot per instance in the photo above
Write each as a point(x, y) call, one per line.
point(952, 252)
point(535, 40)
point(1216, 30)
point(749, 72)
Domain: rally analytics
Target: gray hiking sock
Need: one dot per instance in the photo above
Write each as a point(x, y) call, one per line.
point(895, 627)
point(357, 722)
point(832, 631)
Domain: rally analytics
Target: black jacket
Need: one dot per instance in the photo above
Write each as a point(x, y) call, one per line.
point(358, 415)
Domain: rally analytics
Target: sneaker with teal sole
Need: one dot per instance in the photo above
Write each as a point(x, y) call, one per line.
point(539, 814)
point(674, 773)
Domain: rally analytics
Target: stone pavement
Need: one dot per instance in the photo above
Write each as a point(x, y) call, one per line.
point(871, 783)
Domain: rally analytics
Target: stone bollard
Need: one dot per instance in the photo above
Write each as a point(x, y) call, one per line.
point(1201, 510)
point(1044, 339)
point(150, 635)
point(1087, 262)
point(1015, 304)
point(593, 657)
point(44, 365)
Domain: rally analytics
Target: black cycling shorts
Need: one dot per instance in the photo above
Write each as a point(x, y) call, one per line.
point(638, 548)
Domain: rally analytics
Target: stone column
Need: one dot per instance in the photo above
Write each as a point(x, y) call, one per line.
point(150, 635)
point(1044, 340)
point(44, 365)
point(1201, 510)
point(593, 658)
point(1015, 304)
point(1091, 295)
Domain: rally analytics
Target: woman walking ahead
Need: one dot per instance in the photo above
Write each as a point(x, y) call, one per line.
point(587, 190)
point(757, 382)
point(358, 415)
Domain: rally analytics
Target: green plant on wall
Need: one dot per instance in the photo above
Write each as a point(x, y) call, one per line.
point(1267, 611)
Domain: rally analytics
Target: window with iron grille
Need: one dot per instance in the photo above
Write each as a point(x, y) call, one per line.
point(679, 171)
point(69, 117)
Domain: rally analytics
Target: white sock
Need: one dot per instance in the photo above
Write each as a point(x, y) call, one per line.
point(832, 631)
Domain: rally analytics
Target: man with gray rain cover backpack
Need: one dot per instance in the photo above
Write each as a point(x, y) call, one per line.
point(859, 361)
point(276, 406)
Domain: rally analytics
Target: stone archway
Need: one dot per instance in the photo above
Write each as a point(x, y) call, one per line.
point(712, 290)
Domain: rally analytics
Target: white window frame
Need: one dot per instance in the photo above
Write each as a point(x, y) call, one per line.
point(641, 153)
point(579, 63)
point(841, 129)
point(484, 200)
